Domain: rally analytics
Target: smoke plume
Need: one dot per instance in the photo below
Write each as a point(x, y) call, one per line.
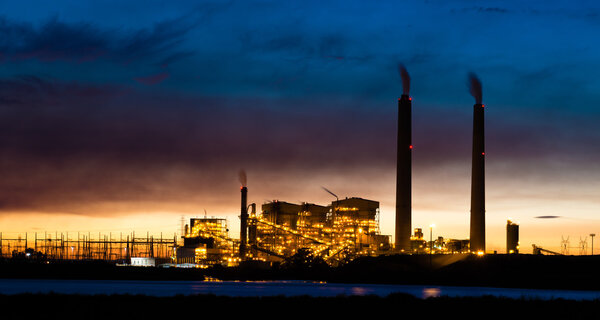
point(329, 191)
point(243, 179)
point(475, 88)
point(405, 79)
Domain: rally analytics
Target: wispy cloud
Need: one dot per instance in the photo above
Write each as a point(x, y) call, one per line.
point(82, 42)
point(153, 79)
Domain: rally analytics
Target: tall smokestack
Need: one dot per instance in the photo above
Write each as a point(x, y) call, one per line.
point(477, 237)
point(243, 216)
point(403, 166)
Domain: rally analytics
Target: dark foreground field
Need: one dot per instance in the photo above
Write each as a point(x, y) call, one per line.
point(55, 306)
point(504, 271)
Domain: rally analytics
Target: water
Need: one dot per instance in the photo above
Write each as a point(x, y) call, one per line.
point(272, 288)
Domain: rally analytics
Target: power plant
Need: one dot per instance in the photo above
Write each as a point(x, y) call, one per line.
point(350, 227)
point(345, 229)
point(335, 232)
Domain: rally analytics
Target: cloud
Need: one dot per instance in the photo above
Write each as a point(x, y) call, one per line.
point(68, 146)
point(294, 44)
point(83, 42)
point(71, 146)
point(153, 79)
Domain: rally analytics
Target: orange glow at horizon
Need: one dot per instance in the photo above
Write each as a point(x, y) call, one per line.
point(438, 195)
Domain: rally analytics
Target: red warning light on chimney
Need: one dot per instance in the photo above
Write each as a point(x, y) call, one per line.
point(483, 153)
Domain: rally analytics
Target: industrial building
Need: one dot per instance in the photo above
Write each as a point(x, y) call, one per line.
point(345, 229)
point(282, 228)
point(206, 242)
point(419, 245)
point(512, 237)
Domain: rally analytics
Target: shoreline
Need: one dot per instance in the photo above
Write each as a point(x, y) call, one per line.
point(274, 288)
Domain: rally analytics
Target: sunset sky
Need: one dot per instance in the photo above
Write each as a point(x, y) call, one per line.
point(118, 116)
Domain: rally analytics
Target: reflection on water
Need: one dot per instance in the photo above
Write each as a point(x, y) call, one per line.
point(359, 291)
point(431, 292)
point(272, 288)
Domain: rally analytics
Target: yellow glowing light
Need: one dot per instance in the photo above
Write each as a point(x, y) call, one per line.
point(480, 253)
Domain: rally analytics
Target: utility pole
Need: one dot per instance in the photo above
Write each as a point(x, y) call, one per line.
point(592, 235)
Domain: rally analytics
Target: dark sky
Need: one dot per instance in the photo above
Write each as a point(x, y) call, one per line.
point(117, 110)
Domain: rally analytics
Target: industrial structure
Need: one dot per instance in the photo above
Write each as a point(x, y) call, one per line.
point(477, 236)
point(404, 167)
point(411, 244)
point(512, 237)
point(206, 242)
point(419, 245)
point(105, 247)
point(244, 222)
point(345, 229)
point(335, 232)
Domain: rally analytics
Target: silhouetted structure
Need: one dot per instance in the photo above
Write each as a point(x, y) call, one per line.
point(403, 175)
point(244, 223)
point(478, 181)
point(63, 246)
point(512, 237)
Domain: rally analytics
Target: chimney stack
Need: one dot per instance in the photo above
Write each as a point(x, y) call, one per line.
point(244, 223)
point(403, 174)
point(477, 238)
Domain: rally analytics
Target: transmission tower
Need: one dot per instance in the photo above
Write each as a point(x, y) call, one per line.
point(564, 245)
point(582, 246)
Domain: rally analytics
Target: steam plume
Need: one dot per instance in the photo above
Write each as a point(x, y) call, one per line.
point(405, 79)
point(243, 178)
point(475, 88)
